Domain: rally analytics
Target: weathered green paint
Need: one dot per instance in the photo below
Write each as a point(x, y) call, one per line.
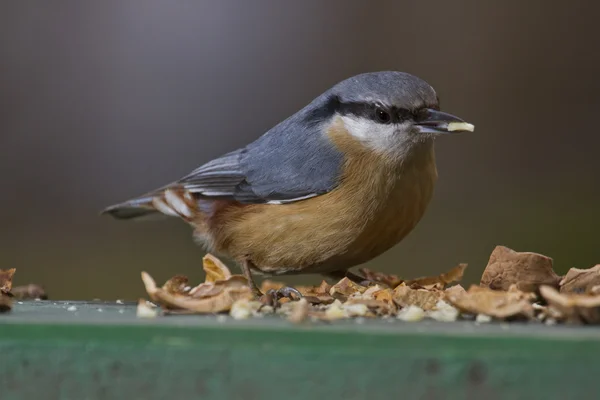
point(47, 352)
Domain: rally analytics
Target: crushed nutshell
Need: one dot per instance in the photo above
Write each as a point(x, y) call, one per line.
point(514, 286)
point(528, 271)
point(6, 296)
point(580, 280)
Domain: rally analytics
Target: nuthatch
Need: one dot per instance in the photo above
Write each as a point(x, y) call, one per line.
point(333, 186)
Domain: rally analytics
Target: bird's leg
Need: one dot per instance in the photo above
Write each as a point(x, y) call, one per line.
point(248, 274)
point(272, 295)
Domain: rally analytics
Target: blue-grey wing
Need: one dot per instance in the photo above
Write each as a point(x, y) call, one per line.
point(291, 162)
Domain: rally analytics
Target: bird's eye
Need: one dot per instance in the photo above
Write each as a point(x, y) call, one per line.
point(382, 115)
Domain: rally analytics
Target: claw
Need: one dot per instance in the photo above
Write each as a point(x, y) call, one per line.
point(288, 292)
point(272, 296)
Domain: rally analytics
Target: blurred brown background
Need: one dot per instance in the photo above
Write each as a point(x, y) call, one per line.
point(102, 101)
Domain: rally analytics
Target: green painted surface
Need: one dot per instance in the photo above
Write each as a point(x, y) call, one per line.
point(101, 351)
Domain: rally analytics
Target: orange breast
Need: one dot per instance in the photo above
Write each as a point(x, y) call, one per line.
point(377, 203)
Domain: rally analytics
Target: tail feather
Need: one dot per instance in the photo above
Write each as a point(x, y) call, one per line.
point(172, 202)
point(132, 209)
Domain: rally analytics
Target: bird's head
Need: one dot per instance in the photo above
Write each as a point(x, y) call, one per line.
point(388, 111)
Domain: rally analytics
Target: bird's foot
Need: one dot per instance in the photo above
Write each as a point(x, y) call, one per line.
point(287, 292)
point(272, 296)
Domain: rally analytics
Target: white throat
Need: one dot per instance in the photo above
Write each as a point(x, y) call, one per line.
point(382, 138)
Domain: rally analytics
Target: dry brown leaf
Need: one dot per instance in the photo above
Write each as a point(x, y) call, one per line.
point(441, 281)
point(221, 298)
point(580, 280)
point(346, 288)
point(6, 277)
point(527, 270)
point(380, 277)
point(425, 299)
point(573, 307)
point(31, 291)
point(497, 304)
point(215, 269)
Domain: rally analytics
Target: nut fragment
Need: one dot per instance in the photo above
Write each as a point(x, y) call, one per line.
point(6, 277)
point(497, 304)
point(404, 296)
point(335, 311)
point(144, 310)
point(460, 126)
point(244, 308)
point(441, 281)
point(528, 271)
point(443, 312)
point(580, 280)
point(572, 307)
point(6, 297)
point(215, 269)
point(346, 288)
point(299, 311)
point(382, 278)
point(411, 314)
point(221, 298)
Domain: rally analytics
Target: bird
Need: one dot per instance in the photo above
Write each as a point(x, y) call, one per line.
point(336, 184)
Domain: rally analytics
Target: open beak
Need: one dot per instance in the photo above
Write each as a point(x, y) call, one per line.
point(436, 122)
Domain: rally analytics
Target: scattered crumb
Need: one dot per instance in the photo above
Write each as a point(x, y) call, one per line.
point(335, 311)
point(443, 312)
point(411, 314)
point(146, 311)
point(244, 308)
point(356, 309)
point(299, 311)
point(482, 318)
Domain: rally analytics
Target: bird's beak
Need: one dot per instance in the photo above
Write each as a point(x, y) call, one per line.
point(437, 122)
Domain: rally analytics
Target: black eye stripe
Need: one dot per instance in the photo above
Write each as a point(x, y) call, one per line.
point(367, 110)
point(370, 111)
